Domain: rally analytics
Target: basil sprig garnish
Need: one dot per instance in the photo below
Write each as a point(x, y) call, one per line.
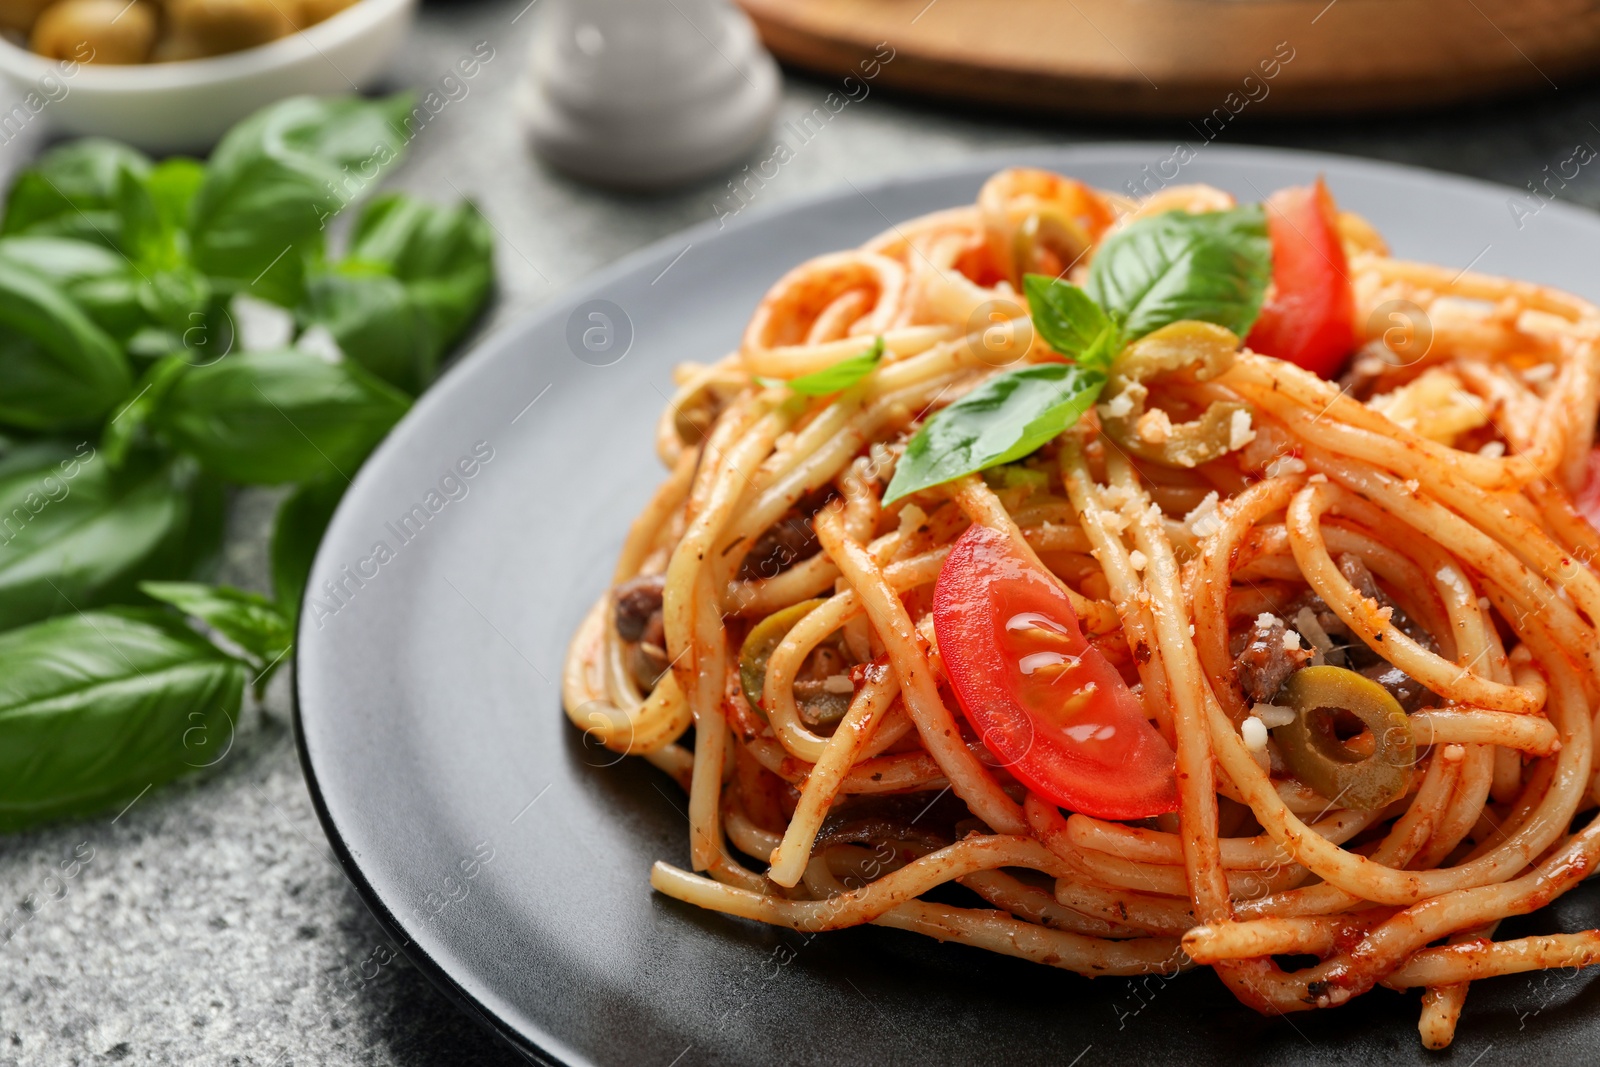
point(1211, 267)
point(836, 377)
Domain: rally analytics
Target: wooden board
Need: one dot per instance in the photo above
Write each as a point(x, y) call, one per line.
point(1183, 58)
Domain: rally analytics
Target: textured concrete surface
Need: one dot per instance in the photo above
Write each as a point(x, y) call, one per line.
point(208, 924)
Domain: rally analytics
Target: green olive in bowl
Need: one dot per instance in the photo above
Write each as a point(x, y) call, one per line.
point(314, 11)
point(19, 15)
point(95, 31)
point(216, 27)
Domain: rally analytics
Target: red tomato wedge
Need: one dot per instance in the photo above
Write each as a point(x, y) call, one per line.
point(1049, 705)
point(1309, 318)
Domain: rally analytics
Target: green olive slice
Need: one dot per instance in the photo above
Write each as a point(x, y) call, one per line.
point(758, 647)
point(1350, 739)
point(1195, 351)
point(1047, 239)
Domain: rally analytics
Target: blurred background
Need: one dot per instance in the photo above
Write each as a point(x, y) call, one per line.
point(207, 921)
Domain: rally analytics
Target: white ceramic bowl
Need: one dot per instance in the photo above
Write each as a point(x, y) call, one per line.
point(186, 106)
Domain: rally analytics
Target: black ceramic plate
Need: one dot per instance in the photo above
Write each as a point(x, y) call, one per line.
point(512, 860)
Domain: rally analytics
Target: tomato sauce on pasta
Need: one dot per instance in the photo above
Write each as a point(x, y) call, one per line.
point(1355, 623)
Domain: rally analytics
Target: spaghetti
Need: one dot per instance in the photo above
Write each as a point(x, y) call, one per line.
point(1401, 541)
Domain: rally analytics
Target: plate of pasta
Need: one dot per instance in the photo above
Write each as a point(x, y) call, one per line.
point(1032, 611)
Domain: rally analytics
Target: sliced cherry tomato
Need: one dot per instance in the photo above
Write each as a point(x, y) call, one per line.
point(1309, 318)
point(1588, 498)
point(1050, 706)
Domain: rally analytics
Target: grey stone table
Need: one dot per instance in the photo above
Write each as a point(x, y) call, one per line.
point(208, 923)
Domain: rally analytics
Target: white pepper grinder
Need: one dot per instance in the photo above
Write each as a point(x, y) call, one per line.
point(646, 93)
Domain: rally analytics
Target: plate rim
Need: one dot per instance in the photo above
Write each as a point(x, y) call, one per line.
point(543, 1047)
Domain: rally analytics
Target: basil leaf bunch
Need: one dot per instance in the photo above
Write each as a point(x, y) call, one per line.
point(129, 406)
point(1212, 267)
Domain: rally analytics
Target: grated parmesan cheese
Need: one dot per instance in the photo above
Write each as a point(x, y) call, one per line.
point(1204, 520)
point(1136, 560)
point(1286, 465)
point(1273, 715)
point(1254, 732)
point(1114, 496)
point(1448, 575)
point(1239, 431)
point(1118, 407)
point(1154, 427)
point(911, 517)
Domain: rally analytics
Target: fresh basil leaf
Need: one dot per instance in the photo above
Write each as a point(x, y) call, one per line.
point(302, 520)
point(842, 375)
point(175, 299)
point(155, 214)
point(74, 533)
point(129, 425)
point(1212, 267)
point(80, 190)
point(96, 707)
point(249, 621)
point(114, 303)
point(1005, 418)
point(196, 321)
point(57, 368)
point(1070, 322)
point(375, 321)
point(174, 183)
point(443, 254)
point(416, 277)
point(63, 261)
point(99, 281)
point(108, 196)
point(417, 239)
point(275, 180)
point(265, 418)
